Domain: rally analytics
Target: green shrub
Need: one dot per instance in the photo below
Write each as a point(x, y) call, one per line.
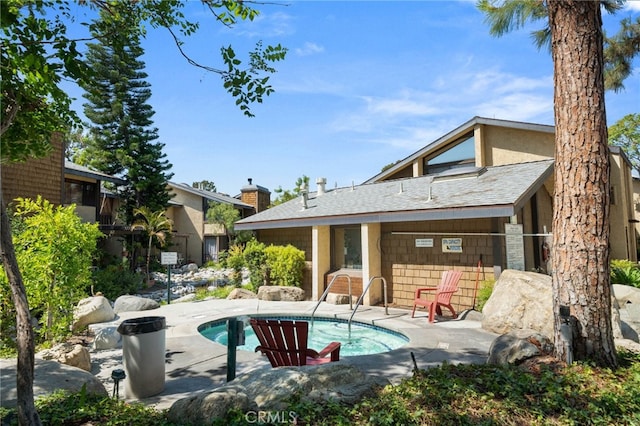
point(235, 260)
point(484, 293)
point(255, 258)
point(115, 280)
point(222, 292)
point(286, 265)
point(625, 272)
point(55, 252)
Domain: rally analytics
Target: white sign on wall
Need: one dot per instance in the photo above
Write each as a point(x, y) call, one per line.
point(452, 245)
point(169, 258)
point(424, 242)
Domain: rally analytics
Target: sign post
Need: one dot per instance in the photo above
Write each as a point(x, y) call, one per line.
point(169, 258)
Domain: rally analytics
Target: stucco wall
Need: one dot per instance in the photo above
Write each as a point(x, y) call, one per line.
point(502, 145)
point(188, 222)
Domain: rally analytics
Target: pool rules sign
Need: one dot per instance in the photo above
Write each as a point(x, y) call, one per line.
point(169, 258)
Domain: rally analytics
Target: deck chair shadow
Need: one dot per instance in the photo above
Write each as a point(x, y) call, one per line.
point(284, 342)
point(441, 295)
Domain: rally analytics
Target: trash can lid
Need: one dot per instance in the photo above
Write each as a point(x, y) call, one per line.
point(141, 325)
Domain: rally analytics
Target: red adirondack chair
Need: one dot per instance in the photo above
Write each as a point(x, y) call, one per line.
point(441, 295)
point(284, 342)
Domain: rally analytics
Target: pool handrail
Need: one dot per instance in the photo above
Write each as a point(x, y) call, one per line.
point(324, 295)
point(386, 306)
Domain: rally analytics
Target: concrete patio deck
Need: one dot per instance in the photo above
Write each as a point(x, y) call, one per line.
point(196, 364)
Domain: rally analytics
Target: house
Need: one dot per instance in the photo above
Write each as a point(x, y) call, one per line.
point(194, 239)
point(61, 182)
point(478, 199)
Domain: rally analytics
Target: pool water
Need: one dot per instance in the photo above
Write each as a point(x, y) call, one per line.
point(365, 339)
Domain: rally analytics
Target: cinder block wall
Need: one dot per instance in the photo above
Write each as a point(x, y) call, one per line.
point(407, 267)
point(37, 176)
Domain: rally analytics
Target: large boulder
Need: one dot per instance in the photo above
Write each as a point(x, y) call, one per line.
point(281, 293)
point(524, 301)
point(68, 354)
point(520, 300)
point(105, 337)
point(268, 389)
point(129, 303)
point(49, 376)
point(241, 293)
point(92, 310)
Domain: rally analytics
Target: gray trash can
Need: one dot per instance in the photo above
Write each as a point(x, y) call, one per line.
point(143, 355)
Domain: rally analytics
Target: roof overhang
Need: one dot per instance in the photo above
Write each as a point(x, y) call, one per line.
point(386, 217)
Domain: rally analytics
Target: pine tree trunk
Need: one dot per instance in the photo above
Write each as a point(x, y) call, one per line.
point(27, 414)
point(580, 260)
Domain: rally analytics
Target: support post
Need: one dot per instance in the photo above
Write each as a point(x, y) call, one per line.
point(232, 343)
point(169, 284)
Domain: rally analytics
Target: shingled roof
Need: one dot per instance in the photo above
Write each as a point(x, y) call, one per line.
point(498, 191)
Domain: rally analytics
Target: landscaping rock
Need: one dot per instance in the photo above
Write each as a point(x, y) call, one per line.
point(129, 303)
point(92, 310)
point(282, 293)
point(524, 301)
point(338, 299)
point(49, 376)
point(190, 267)
point(106, 337)
point(269, 293)
point(267, 390)
point(626, 294)
point(517, 346)
point(68, 354)
point(187, 298)
point(520, 300)
point(241, 293)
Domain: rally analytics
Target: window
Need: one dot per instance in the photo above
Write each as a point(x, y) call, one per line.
point(80, 193)
point(347, 248)
point(461, 155)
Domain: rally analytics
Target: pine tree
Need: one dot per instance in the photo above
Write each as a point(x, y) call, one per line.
point(123, 141)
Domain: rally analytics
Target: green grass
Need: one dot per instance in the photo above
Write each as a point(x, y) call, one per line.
point(579, 394)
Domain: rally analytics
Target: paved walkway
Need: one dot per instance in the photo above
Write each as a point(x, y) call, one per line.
point(196, 364)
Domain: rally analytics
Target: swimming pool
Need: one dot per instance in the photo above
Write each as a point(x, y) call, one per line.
point(365, 339)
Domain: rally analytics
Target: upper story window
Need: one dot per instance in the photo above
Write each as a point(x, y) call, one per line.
point(461, 155)
point(80, 193)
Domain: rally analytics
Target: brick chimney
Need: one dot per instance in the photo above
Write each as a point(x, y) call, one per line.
point(257, 196)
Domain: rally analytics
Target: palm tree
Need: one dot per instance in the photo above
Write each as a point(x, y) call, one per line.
point(154, 224)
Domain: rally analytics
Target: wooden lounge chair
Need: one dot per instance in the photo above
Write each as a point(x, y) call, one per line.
point(441, 295)
point(284, 342)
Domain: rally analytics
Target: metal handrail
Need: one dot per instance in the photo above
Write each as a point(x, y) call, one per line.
point(386, 307)
point(324, 295)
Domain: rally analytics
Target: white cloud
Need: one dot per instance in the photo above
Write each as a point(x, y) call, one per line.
point(309, 49)
point(413, 118)
point(278, 24)
point(633, 5)
point(408, 104)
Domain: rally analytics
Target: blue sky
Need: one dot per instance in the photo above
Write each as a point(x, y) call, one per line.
point(364, 84)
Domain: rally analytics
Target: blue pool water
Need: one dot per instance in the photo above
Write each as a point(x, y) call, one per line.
point(365, 339)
